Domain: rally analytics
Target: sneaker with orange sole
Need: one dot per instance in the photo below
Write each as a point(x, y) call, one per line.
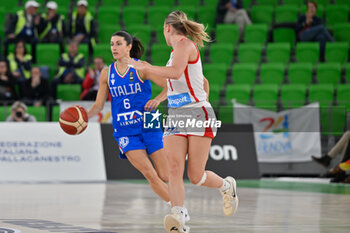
point(345, 166)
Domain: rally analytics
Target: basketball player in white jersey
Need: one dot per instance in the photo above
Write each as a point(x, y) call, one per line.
point(187, 96)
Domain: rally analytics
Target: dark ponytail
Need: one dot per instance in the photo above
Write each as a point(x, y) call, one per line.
point(137, 48)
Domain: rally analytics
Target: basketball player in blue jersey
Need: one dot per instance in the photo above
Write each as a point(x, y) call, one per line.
point(131, 92)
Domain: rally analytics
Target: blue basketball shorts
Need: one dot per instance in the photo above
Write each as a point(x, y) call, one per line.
point(149, 141)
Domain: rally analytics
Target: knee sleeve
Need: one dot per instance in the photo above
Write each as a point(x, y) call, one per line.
point(204, 178)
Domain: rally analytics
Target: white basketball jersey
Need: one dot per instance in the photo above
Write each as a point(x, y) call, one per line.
point(189, 88)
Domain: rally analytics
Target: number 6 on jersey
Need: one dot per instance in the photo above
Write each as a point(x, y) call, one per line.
point(126, 103)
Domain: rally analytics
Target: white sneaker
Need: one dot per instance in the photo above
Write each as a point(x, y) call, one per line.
point(230, 197)
point(186, 215)
point(175, 223)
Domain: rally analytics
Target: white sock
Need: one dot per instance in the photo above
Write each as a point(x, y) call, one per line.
point(186, 214)
point(225, 185)
point(177, 209)
point(168, 203)
point(182, 211)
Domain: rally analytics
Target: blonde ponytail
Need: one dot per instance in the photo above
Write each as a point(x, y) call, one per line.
point(183, 25)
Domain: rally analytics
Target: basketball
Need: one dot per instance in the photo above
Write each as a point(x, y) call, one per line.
point(74, 120)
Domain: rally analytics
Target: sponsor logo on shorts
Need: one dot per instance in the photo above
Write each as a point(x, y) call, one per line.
point(179, 100)
point(123, 142)
point(129, 118)
point(170, 131)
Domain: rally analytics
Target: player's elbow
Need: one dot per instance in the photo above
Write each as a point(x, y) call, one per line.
point(162, 84)
point(176, 75)
point(176, 72)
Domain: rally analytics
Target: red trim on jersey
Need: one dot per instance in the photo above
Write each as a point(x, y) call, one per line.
point(197, 59)
point(181, 135)
point(208, 130)
point(171, 85)
point(189, 84)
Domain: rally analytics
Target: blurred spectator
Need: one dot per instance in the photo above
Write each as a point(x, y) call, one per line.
point(342, 147)
point(24, 26)
point(19, 113)
point(339, 171)
point(20, 62)
point(339, 147)
point(82, 28)
point(232, 11)
point(52, 28)
point(309, 28)
point(7, 82)
point(35, 90)
point(71, 67)
point(91, 81)
point(345, 166)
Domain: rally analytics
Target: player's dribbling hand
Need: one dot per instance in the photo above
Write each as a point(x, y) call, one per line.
point(151, 105)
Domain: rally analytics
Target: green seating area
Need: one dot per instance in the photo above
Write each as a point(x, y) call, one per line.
point(293, 95)
point(334, 101)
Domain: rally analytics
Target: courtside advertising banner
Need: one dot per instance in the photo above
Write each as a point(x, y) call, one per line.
point(103, 117)
point(43, 152)
point(287, 136)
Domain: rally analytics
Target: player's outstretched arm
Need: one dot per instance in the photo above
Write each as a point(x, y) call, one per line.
point(152, 104)
point(155, 78)
point(182, 53)
point(101, 94)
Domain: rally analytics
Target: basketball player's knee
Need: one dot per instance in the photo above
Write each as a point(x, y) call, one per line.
point(150, 175)
point(152, 178)
point(164, 176)
point(198, 179)
point(176, 169)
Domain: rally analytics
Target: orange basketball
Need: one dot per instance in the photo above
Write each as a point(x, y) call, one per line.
point(74, 120)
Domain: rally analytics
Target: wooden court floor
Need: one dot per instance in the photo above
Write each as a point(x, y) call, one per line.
point(130, 206)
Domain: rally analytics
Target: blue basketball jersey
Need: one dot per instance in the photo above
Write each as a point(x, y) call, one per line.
point(129, 95)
